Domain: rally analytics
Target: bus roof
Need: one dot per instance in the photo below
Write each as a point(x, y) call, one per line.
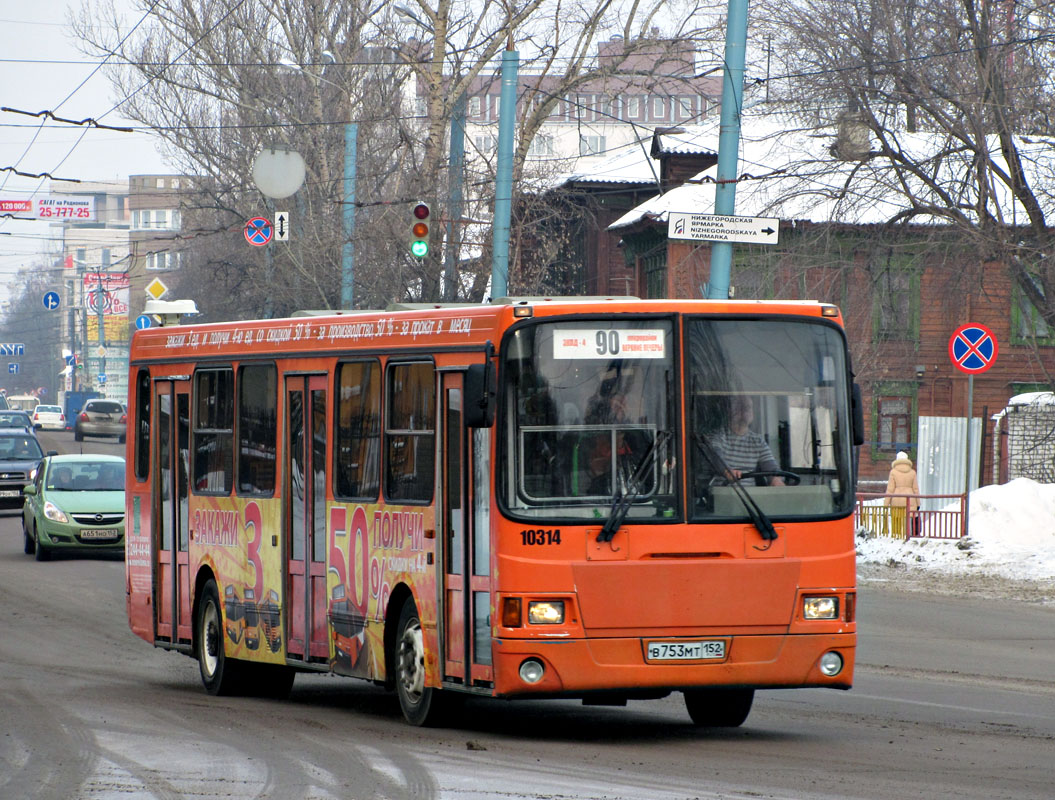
point(419, 326)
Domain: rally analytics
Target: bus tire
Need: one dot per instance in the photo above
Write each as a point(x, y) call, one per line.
point(719, 708)
point(420, 704)
point(219, 674)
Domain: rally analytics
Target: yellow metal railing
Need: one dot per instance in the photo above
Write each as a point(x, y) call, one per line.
point(879, 519)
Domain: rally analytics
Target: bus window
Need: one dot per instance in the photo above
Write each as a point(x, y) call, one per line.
point(213, 431)
point(410, 433)
point(358, 441)
point(257, 427)
point(585, 404)
point(768, 415)
point(142, 425)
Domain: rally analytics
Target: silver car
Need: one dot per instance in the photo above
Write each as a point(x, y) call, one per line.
point(101, 418)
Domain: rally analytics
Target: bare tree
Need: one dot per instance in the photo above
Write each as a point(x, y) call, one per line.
point(219, 79)
point(23, 323)
point(947, 103)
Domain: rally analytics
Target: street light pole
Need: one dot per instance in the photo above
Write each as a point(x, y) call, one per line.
point(728, 143)
point(351, 155)
point(504, 172)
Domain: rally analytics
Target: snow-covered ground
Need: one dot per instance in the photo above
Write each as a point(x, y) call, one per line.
point(1011, 538)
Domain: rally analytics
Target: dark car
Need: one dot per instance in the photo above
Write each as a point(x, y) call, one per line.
point(101, 418)
point(15, 419)
point(20, 454)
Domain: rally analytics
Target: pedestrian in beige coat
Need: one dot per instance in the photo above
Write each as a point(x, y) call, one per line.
point(904, 487)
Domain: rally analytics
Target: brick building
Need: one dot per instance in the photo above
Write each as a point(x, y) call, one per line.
point(903, 290)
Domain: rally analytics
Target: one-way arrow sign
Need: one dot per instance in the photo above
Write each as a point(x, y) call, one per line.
point(718, 228)
point(281, 226)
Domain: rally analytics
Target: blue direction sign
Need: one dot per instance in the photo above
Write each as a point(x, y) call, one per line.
point(12, 349)
point(143, 322)
point(51, 300)
point(973, 348)
point(258, 231)
point(12, 368)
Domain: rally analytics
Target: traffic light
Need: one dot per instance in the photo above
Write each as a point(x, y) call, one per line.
point(419, 230)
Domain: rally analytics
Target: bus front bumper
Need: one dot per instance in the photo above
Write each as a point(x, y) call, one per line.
point(579, 667)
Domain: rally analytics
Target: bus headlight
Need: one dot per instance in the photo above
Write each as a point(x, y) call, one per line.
point(820, 608)
point(546, 612)
point(831, 664)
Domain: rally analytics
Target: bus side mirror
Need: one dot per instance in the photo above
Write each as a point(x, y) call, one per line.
point(858, 411)
point(480, 391)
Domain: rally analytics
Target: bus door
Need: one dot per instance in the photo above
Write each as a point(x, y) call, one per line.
point(305, 493)
point(171, 539)
point(465, 504)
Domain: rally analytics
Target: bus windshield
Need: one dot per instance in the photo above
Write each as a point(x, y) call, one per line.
point(585, 403)
point(767, 406)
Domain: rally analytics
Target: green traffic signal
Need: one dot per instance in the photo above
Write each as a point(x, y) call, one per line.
point(419, 230)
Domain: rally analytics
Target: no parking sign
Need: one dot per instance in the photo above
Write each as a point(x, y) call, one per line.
point(258, 231)
point(973, 348)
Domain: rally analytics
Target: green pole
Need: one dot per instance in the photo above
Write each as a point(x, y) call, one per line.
point(728, 143)
point(504, 174)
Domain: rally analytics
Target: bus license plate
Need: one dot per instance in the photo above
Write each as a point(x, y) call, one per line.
point(99, 533)
point(685, 651)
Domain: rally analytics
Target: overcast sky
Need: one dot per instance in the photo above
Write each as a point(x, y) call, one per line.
point(41, 69)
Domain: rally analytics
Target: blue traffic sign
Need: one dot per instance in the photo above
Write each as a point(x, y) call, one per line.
point(51, 300)
point(143, 322)
point(258, 231)
point(12, 349)
point(973, 348)
point(102, 378)
point(12, 368)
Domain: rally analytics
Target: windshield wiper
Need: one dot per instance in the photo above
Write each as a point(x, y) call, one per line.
point(758, 517)
point(621, 501)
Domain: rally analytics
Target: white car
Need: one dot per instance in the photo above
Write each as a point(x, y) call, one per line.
point(50, 417)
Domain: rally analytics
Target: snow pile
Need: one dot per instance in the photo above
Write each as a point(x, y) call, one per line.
point(1011, 533)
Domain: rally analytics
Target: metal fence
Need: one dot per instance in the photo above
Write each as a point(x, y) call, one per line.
point(943, 521)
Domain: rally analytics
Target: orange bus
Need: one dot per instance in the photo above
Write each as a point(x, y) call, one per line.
point(595, 498)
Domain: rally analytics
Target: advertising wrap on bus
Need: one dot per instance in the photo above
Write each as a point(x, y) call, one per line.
point(601, 499)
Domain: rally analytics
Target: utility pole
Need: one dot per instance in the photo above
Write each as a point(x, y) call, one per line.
point(504, 173)
point(457, 163)
point(99, 308)
point(351, 155)
point(728, 143)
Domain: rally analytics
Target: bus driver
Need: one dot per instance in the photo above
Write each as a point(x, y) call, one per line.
point(742, 449)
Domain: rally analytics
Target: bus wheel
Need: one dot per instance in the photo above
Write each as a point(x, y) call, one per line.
point(719, 708)
point(420, 705)
point(217, 672)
